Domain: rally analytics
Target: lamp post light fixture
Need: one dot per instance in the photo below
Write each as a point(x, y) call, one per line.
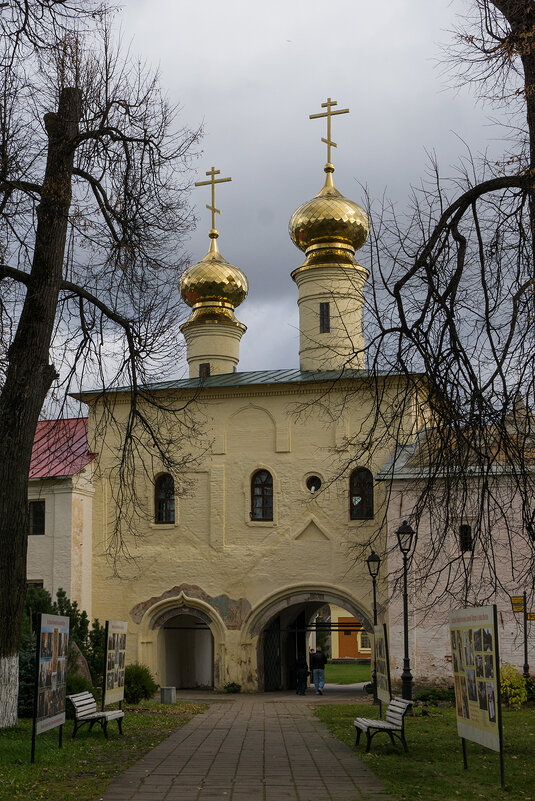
point(405, 534)
point(374, 562)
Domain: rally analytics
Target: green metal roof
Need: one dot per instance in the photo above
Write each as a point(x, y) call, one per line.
point(261, 377)
point(246, 379)
point(250, 379)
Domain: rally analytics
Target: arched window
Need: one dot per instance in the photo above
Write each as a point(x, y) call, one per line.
point(164, 499)
point(262, 495)
point(361, 494)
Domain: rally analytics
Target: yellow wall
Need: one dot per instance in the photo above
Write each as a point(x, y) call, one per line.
point(217, 563)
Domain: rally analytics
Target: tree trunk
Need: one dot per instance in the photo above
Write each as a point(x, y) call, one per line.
point(520, 14)
point(28, 379)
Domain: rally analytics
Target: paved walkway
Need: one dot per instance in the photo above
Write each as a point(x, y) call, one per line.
point(251, 748)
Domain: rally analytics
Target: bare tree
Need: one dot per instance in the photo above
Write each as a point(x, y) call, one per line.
point(93, 203)
point(451, 311)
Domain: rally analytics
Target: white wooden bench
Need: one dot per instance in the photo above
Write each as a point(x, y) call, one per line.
point(85, 711)
point(394, 725)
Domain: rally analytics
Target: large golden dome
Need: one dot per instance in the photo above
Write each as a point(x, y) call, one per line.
point(213, 282)
point(329, 220)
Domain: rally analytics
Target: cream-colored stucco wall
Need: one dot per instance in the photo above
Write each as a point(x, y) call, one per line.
point(215, 560)
point(62, 556)
point(430, 602)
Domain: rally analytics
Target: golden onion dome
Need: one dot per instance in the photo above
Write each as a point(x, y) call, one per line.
point(213, 282)
point(329, 220)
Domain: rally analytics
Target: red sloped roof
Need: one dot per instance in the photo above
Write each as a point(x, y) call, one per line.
point(60, 448)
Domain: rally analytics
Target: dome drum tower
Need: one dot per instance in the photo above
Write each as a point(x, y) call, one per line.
point(329, 229)
point(213, 288)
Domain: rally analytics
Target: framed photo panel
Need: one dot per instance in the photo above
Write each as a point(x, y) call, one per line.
point(382, 663)
point(115, 661)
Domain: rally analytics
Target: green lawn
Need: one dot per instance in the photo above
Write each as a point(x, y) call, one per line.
point(85, 766)
point(347, 674)
point(433, 768)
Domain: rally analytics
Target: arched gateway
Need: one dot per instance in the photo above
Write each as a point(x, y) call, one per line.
point(279, 627)
point(182, 640)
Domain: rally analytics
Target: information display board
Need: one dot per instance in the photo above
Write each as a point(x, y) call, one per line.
point(475, 660)
point(52, 650)
point(115, 661)
point(382, 663)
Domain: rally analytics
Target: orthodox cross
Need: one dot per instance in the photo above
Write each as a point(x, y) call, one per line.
point(212, 182)
point(329, 114)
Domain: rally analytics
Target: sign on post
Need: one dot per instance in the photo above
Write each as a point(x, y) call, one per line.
point(50, 675)
point(115, 662)
point(517, 603)
point(476, 668)
point(382, 663)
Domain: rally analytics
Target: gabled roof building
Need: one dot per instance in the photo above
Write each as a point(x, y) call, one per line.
point(60, 496)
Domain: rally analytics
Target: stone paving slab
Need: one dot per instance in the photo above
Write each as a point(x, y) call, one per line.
point(256, 748)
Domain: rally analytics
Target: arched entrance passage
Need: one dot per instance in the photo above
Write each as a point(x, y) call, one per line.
point(189, 646)
point(189, 653)
point(280, 625)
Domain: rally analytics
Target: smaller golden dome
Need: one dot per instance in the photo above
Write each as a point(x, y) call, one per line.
point(213, 281)
point(329, 220)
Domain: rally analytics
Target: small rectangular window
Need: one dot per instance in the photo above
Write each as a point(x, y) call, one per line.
point(35, 583)
point(37, 517)
point(204, 370)
point(325, 318)
point(465, 538)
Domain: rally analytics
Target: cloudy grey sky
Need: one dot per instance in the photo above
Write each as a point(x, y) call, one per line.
point(251, 73)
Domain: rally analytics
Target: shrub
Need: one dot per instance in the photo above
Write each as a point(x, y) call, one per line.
point(434, 695)
point(232, 687)
point(76, 683)
point(138, 683)
point(514, 689)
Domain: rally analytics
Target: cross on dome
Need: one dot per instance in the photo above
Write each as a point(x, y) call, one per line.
point(212, 207)
point(329, 114)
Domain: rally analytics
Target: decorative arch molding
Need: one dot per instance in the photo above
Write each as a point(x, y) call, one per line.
point(160, 620)
point(276, 603)
point(228, 612)
point(158, 614)
point(251, 407)
point(266, 430)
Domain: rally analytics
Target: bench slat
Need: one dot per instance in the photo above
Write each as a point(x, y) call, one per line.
point(86, 706)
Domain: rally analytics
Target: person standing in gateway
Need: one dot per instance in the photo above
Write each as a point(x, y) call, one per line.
point(317, 666)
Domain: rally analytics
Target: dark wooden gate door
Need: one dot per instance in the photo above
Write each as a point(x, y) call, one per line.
point(272, 657)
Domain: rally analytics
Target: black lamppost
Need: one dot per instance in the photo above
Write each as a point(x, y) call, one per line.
point(374, 562)
point(405, 533)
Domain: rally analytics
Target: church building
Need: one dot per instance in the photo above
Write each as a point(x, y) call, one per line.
point(235, 556)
